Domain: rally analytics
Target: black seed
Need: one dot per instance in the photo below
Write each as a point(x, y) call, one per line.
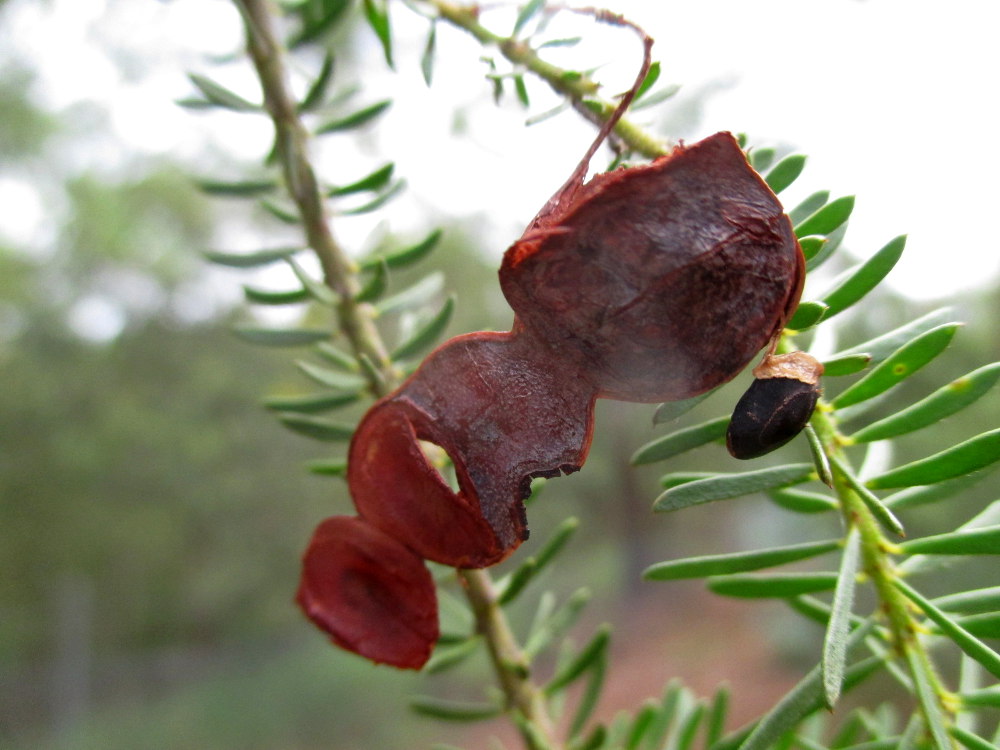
point(770, 413)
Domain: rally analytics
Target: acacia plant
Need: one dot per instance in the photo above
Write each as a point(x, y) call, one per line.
point(391, 612)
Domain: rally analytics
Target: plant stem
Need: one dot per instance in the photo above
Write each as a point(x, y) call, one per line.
point(578, 87)
point(356, 322)
point(340, 273)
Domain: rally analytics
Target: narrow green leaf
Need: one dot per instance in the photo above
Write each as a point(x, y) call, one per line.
point(772, 585)
point(800, 501)
point(521, 89)
point(681, 441)
point(827, 218)
point(978, 600)
point(438, 708)
point(726, 486)
point(250, 260)
point(317, 19)
point(875, 505)
point(317, 428)
point(378, 201)
point(808, 207)
point(597, 739)
point(985, 697)
point(428, 55)
point(986, 625)
point(281, 336)
point(970, 740)
point(812, 246)
point(911, 497)
point(864, 278)
point(785, 172)
point(677, 478)
point(971, 645)
point(641, 725)
point(427, 334)
point(312, 403)
point(650, 100)
point(405, 256)
point(342, 381)
point(761, 158)
point(805, 698)
point(317, 289)
point(806, 315)
point(652, 76)
point(377, 15)
point(282, 212)
point(268, 297)
point(716, 723)
point(528, 11)
point(355, 119)
point(375, 287)
point(588, 656)
point(819, 457)
point(335, 356)
point(897, 367)
point(446, 657)
point(219, 96)
point(882, 346)
point(570, 41)
point(737, 562)
point(558, 623)
point(923, 682)
point(591, 694)
point(982, 541)
point(414, 296)
point(942, 403)
point(834, 662)
point(845, 364)
point(328, 467)
point(373, 181)
point(671, 410)
point(975, 453)
point(242, 189)
point(317, 91)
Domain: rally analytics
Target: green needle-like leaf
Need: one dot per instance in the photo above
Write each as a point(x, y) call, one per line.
point(429, 333)
point(328, 467)
point(975, 453)
point(652, 76)
point(801, 501)
point(864, 278)
point(772, 585)
point(827, 218)
point(528, 11)
point(985, 697)
point(377, 15)
point(373, 181)
point(681, 441)
point(834, 661)
point(689, 727)
point(923, 682)
point(900, 365)
point(845, 364)
point(268, 297)
point(785, 172)
point(942, 403)
point(533, 565)
point(985, 625)
point(726, 486)
point(584, 660)
point(378, 201)
point(250, 260)
point(243, 189)
point(812, 247)
point(591, 694)
point(317, 91)
point(971, 645)
point(808, 207)
point(761, 158)
point(807, 314)
point(970, 740)
point(982, 541)
point(438, 708)
point(641, 725)
point(343, 381)
point(738, 562)
point(311, 404)
point(878, 509)
point(375, 287)
point(553, 627)
point(219, 96)
point(317, 289)
point(446, 657)
point(882, 346)
point(355, 119)
point(317, 428)
point(911, 497)
point(333, 355)
point(978, 600)
point(281, 336)
point(413, 296)
point(717, 716)
point(406, 255)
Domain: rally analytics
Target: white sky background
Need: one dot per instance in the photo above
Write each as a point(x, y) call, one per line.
point(893, 100)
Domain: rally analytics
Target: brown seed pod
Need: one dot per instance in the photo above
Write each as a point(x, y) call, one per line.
point(777, 405)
